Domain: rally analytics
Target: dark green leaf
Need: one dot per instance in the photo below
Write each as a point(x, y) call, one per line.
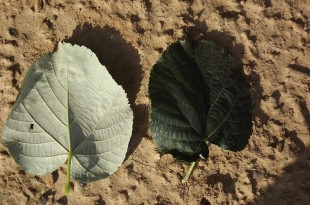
point(229, 119)
point(198, 94)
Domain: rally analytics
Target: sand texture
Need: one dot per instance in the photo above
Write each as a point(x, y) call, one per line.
point(269, 38)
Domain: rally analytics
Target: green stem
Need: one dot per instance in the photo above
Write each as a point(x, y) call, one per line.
point(67, 188)
point(189, 173)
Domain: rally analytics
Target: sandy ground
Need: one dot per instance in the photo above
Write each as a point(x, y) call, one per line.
point(270, 38)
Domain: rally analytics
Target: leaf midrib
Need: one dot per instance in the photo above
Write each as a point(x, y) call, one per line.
point(92, 131)
point(220, 125)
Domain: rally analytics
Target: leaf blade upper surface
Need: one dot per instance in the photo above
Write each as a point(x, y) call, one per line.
point(175, 113)
point(229, 119)
point(198, 95)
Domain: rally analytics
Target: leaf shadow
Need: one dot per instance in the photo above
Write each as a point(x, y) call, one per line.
point(122, 61)
point(200, 31)
point(293, 186)
point(227, 42)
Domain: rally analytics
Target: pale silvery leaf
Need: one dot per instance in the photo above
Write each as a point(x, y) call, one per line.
point(69, 107)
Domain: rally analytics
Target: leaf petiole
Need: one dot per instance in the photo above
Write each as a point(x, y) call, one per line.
point(189, 172)
point(67, 187)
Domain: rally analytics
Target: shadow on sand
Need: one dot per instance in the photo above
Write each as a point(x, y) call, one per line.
point(293, 187)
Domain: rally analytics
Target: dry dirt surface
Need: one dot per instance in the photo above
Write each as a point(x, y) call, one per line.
point(270, 39)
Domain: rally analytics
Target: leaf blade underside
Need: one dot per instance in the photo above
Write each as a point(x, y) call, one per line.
point(69, 94)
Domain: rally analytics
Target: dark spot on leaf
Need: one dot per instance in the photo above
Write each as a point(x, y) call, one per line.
point(31, 126)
